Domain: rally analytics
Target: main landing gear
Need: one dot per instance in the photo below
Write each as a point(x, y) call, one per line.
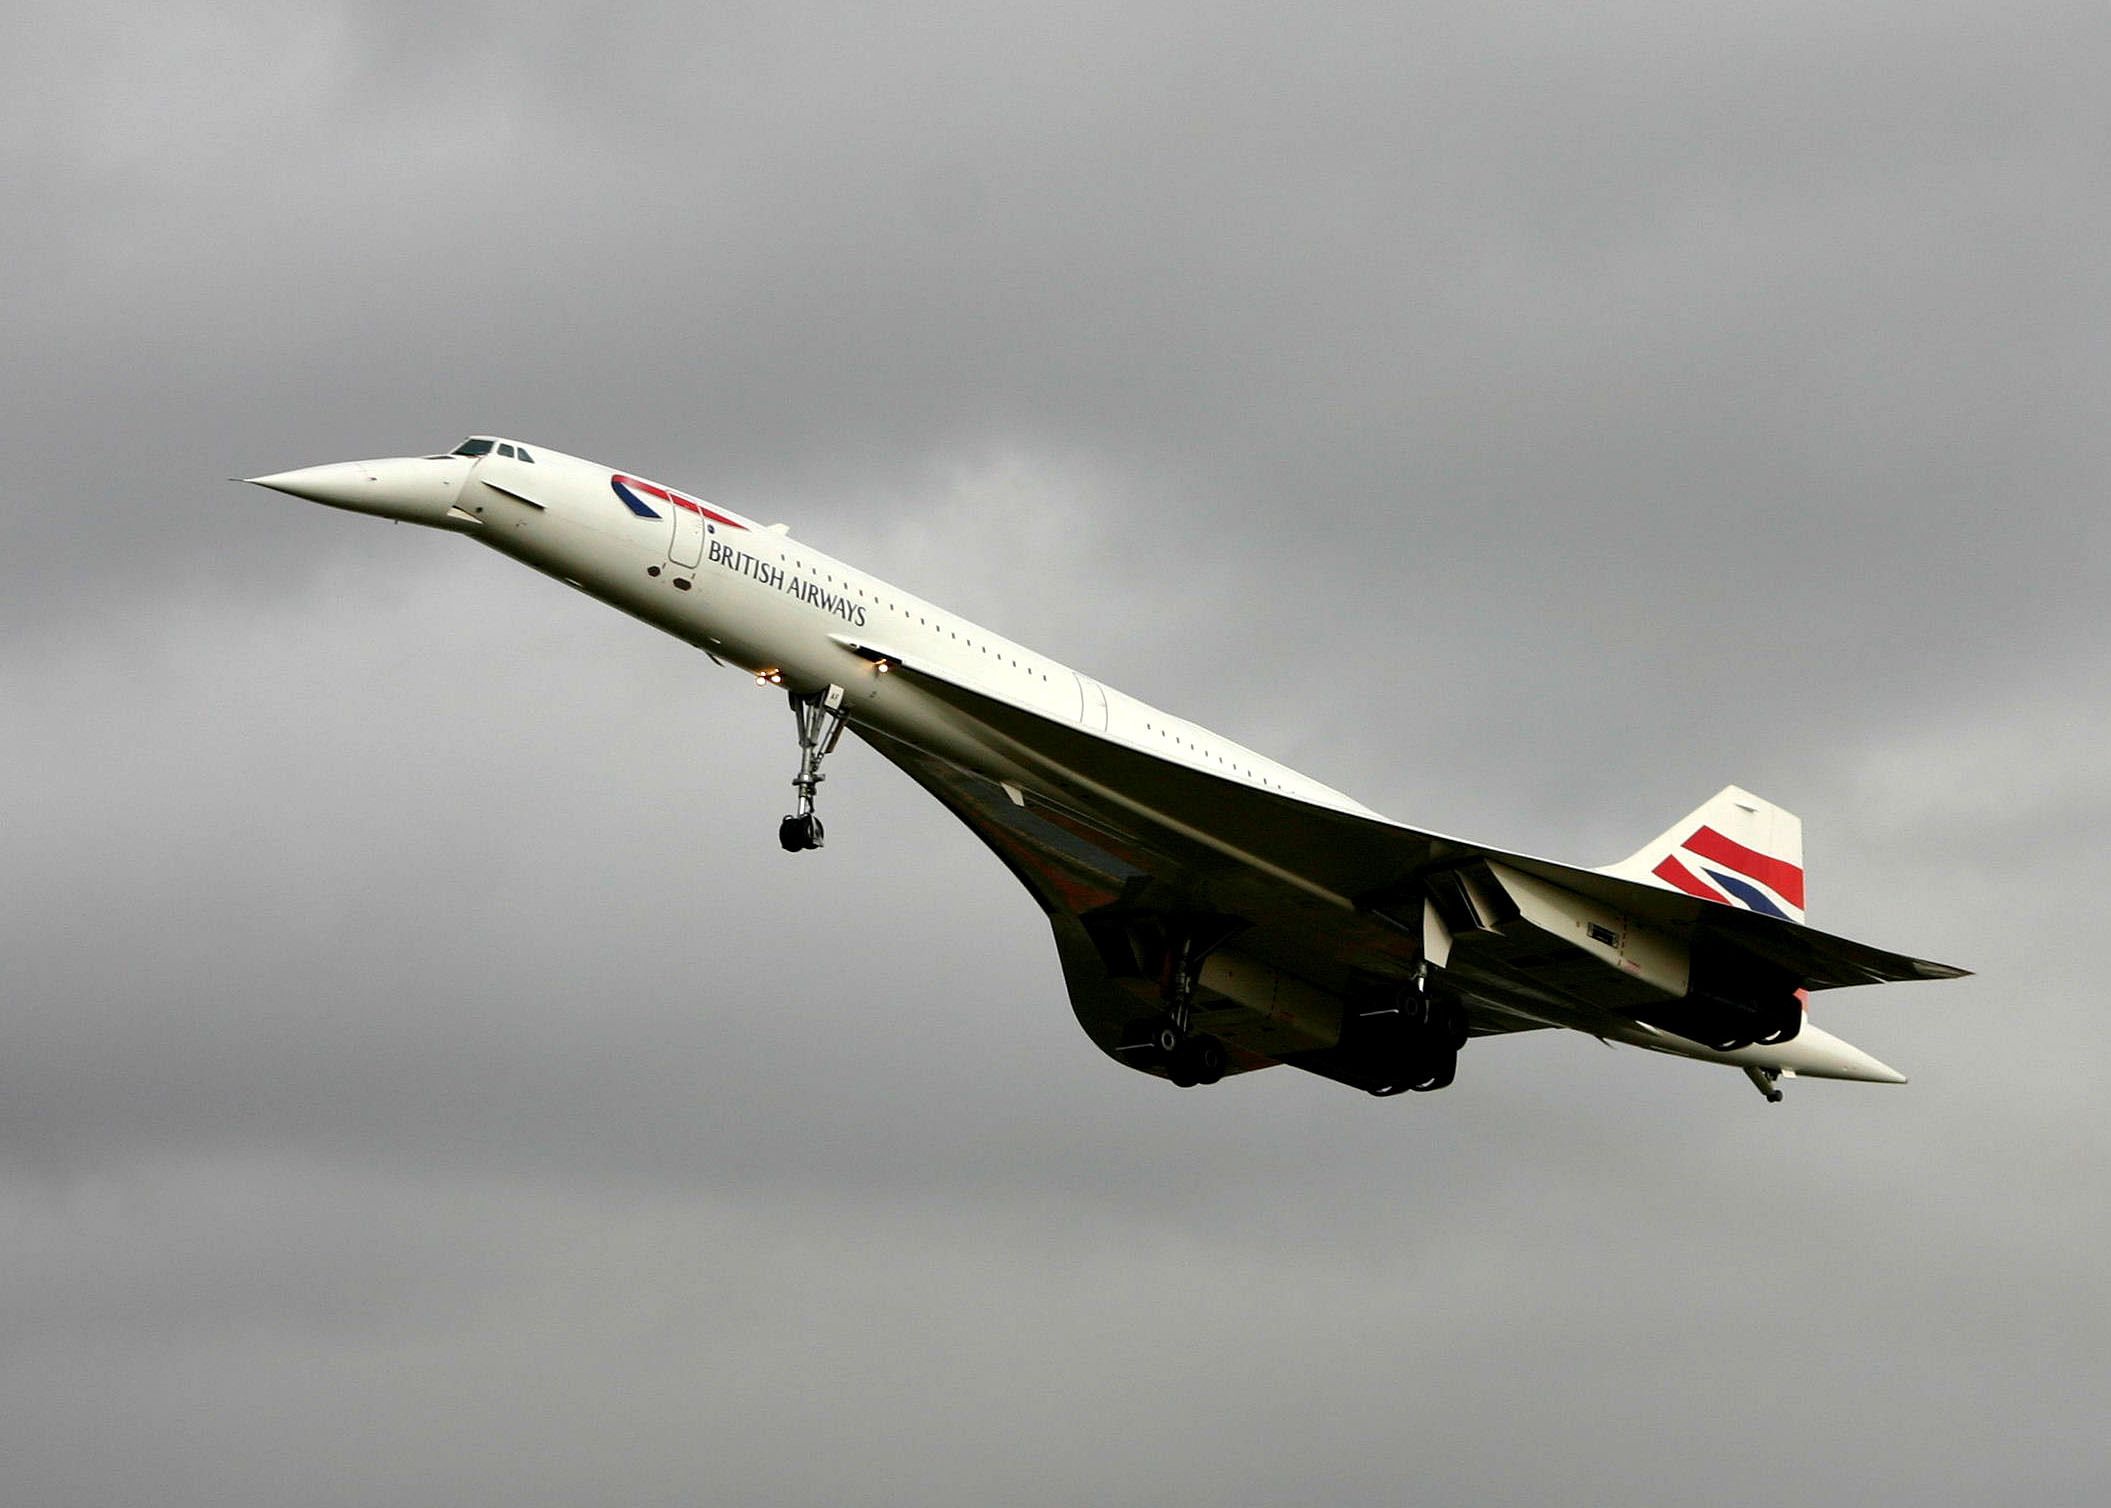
point(1416, 1041)
point(1191, 1060)
point(820, 719)
point(1189, 1057)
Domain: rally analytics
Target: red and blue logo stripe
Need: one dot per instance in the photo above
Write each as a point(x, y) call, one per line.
point(1740, 875)
point(630, 488)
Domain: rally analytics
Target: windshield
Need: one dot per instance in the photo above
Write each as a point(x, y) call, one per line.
point(484, 445)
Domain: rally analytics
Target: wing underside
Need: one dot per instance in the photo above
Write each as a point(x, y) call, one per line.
point(1099, 831)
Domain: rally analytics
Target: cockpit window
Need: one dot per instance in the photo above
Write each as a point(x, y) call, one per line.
point(484, 445)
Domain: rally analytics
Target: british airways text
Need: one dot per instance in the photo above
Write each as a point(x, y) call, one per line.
point(811, 593)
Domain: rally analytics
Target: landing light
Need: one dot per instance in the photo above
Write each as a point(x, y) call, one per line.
point(771, 677)
point(884, 667)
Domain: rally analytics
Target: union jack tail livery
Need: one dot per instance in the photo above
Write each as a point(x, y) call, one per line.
point(1736, 849)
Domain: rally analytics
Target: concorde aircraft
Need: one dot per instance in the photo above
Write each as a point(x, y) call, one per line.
point(1214, 912)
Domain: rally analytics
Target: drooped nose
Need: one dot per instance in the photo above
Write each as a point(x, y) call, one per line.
point(411, 489)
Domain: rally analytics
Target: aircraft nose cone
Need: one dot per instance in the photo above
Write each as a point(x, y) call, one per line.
point(408, 489)
point(343, 484)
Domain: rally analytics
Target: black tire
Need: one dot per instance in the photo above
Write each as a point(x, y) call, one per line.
point(1167, 1039)
point(1437, 1073)
point(1207, 1056)
point(791, 834)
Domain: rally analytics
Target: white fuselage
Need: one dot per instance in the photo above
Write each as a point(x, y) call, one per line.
point(753, 597)
point(756, 598)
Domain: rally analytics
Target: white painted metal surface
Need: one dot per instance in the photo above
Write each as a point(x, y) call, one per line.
point(1064, 751)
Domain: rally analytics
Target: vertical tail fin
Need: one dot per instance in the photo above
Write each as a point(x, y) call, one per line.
point(1736, 849)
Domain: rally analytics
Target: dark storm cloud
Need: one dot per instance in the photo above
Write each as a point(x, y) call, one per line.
point(424, 1080)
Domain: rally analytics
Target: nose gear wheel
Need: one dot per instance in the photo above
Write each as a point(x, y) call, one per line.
point(821, 721)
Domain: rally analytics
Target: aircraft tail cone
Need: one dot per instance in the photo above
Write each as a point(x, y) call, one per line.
point(1818, 1054)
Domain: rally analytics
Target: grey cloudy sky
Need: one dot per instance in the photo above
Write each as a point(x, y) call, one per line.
point(423, 1079)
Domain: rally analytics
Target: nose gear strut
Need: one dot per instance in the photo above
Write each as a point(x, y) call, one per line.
point(820, 719)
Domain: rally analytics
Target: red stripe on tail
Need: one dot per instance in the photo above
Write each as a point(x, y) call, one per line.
point(1778, 875)
point(1672, 872)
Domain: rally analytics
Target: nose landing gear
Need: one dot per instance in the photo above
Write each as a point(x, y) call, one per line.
point(820, 719)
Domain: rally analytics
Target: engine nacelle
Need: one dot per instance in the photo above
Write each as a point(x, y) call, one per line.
point(1262, 1008)
point(1706, 991)
point(1727, 1025)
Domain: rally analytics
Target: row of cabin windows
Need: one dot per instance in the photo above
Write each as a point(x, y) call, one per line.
point(1151, 727)
point(1167, 733)
point(829, 577)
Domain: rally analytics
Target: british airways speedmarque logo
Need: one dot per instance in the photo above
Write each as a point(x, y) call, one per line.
point(629, 488)
point(1745, 876)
